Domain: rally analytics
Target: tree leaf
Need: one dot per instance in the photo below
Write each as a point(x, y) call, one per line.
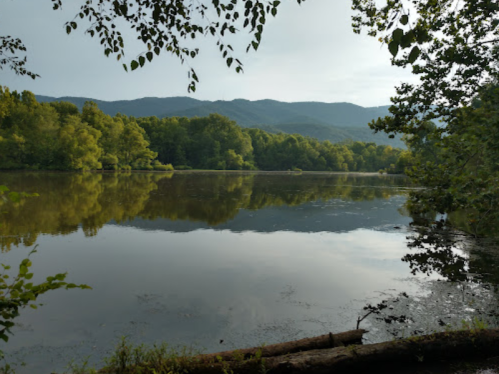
point(407, 39)
point(397, 35)
point(23, 270)
point(413, 56)
point(134, 65)
point(393, 47)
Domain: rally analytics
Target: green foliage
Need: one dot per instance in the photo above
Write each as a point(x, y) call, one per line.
point(183, 167)
point(14, 197)
point(450, 44)
point(17, 292)
point(130, 358)
point(160, 358)
point(461, 171)
point(160, 167)
point(215, 142)
point(56, 136)
point(10, 48)
point(75, 367)
point(452, 47)
point(476, 324)
point(79, 145)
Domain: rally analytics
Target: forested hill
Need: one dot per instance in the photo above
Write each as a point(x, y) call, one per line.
point(145, 107)
point(59, 136)
point(335, 122)
point(246, 113)
point(270, 112)
point(335, 134)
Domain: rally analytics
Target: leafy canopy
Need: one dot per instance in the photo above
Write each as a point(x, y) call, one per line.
point(162, 27)
point(450, 44)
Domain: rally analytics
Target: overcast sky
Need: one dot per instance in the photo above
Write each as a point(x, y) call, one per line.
point(308, 53)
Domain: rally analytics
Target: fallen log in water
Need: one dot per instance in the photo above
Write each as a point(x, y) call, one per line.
point(450, 346)
point(319, 342)
point(458, 345)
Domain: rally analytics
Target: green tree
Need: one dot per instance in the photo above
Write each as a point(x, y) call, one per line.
point(79, 145)
point(452, 46)
point(133, 148)
point(29, 131)
point(464, 177)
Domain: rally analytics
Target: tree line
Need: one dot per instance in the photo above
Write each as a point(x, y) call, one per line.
point(58, 136)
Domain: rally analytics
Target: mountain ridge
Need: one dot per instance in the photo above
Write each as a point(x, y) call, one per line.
point(329, 121)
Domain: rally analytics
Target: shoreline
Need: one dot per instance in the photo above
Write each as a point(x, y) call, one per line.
point(199, 171)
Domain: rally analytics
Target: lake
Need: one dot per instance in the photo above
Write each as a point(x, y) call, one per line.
point(219, 260)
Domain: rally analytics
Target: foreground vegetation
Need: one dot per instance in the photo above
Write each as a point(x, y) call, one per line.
point(463, 351)
point(56, 136)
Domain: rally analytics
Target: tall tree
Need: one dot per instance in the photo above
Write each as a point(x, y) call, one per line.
point(452, 46)
point(133, 148)
point(79, 145)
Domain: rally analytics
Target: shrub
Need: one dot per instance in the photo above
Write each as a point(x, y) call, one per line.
point(160, 167)
point(183, 167)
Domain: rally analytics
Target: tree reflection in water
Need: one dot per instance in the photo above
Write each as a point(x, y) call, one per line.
point(68, 200)
point(463, 293)
point(463, 284)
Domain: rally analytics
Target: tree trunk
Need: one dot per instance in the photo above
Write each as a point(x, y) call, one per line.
point(324, 341)
point(403, 354)
point(458, 345)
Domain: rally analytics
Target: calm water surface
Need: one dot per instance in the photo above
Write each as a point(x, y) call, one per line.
point(213, 260)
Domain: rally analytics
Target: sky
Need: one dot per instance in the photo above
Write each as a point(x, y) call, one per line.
point(308, 53)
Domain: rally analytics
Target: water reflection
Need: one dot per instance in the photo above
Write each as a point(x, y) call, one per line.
point(465, 295)
point(243, 258)
point(91, 200)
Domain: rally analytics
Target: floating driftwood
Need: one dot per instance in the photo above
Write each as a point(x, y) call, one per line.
point(319, 342)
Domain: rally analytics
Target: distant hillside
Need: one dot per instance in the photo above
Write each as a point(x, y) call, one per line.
point(246, 113)
point(326, 121)
point(335, 134)
point(250, 113)
point(145, 107)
